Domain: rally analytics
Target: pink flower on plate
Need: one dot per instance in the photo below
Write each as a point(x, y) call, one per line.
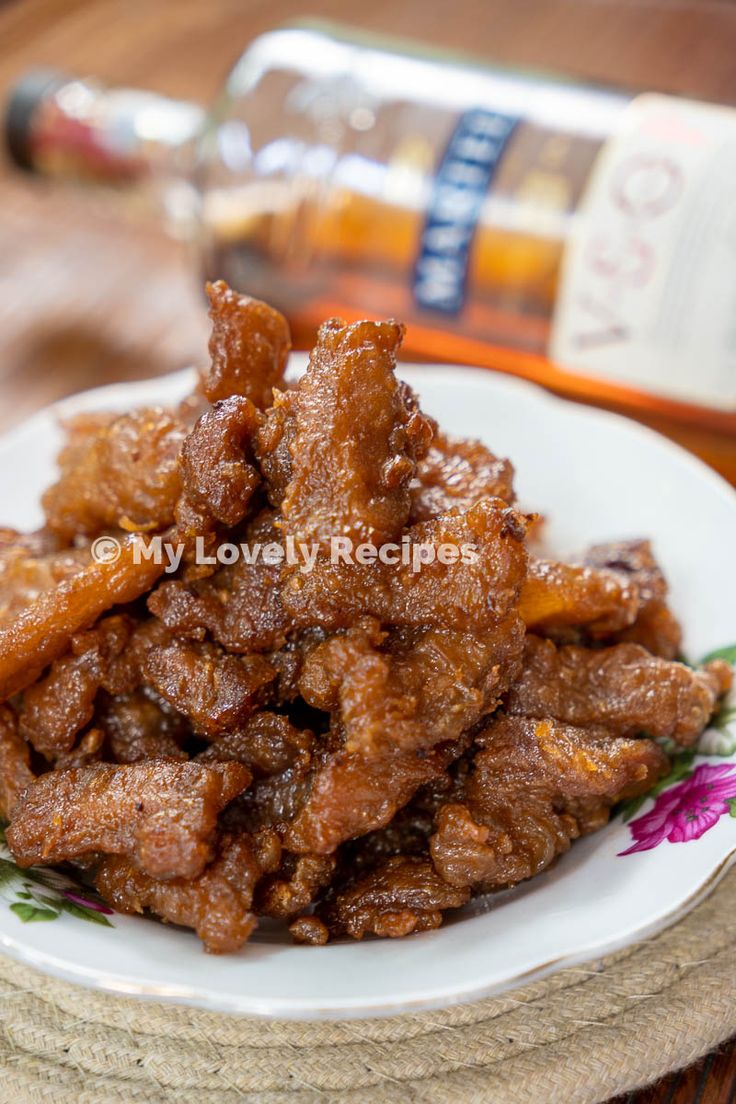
point(687, 810)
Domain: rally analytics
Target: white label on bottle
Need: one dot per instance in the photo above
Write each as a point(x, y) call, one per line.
point(648, 290)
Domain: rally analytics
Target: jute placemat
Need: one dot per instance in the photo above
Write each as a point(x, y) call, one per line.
point(576, 1038)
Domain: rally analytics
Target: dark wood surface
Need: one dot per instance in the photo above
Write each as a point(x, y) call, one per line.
point(88, 296)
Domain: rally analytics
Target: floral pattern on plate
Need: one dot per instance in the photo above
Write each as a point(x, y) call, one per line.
point(39, 894)
point(692, 798)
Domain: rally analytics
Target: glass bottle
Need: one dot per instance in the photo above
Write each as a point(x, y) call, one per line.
point(580, 237)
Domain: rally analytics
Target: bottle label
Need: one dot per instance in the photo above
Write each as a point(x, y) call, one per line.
point(648, 289)
point(459, 189)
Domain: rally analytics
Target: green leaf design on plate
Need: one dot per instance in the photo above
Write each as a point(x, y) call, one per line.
point(727, 652)
point(732, 806)
point(83, 913)
point(38, 894)
point(31, 914)
point(9, 873)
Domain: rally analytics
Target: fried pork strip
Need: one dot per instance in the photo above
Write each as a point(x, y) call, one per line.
point(268, 743)
point(294, 887)
point(161, 814)
point(217, 903)
point(117, 473)
point(655, 627)
point(31, 564)
point(470, 595)
point(341, 450)
point(218, 476)
point(42, 631)
point(560, 596)
point(249, 347)
point(536, 786)
point(455, 475)
point(140, 726)
point(623, 687)
point(402, 895)
point(239, 606)
point(60, 704)
point(15, 763)
point(400, 716)
point(214, 690)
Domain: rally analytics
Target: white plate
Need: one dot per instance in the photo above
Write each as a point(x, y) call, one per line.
point(595, 477)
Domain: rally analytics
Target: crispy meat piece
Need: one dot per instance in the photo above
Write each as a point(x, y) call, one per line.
point(214, 690)
point(559, 595)
point(622, 687)
point(455, 475)
point(58, 706)
point(356, 439)
point(87, 751)
point(239, 606)
point(391, 699)
point(161, 814)
point(117, 473)
point(273, 801)
point(217, 904)
point(218, 476)
point(31, 564)
point(535, 786)
point(402, 715)
point(295, 886)
point(249, 347)
point(470, 595)
point(309, 929)
point(268, 743)
point(402, 895)
point(42, 632)
point(273, 444)
point(349, 794)
point(15, 763)
point(140, 726)
point(655, 627)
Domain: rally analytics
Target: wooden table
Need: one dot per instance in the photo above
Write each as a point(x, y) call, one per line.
point(87, 297)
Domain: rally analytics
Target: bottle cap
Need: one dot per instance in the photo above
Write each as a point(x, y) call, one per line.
point(30, 91)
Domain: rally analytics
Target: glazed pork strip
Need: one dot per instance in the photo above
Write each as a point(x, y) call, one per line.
point(217, 903)
point(249, 347)
point(560, 596)
point(57, 707)
point(139, 726)
point(471, 595)
point(42, 632)
point(455, 475)
point(341, 449)
point(535, 786)
point(15, 763)
point(655, 627)
point(214, 690)
point(404, 894)
point(161, 814)
point(29, 565)
point(239, 606)
point(623, 687)
point(117, 473)
point(294, 887)
point(400, 716)
point(218, 475)
point(268, 743)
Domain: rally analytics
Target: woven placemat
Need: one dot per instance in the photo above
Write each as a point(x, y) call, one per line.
point(578, 1037)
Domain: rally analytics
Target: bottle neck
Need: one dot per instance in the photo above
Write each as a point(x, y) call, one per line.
point(82, 131)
